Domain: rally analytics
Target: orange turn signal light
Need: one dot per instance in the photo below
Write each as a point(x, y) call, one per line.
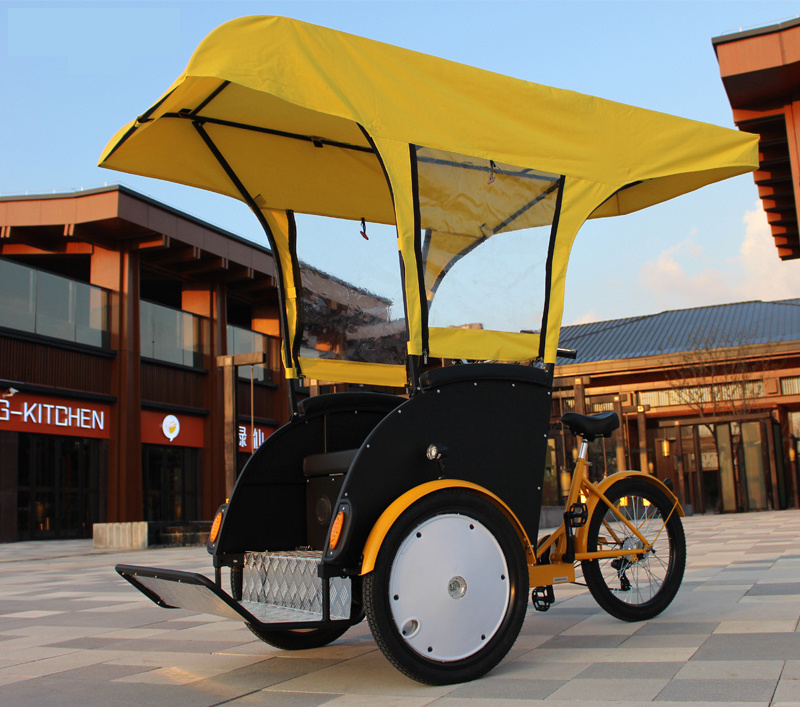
point(212, 536)
point(336, 530)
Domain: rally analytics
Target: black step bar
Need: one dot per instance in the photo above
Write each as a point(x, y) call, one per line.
point(174, 589)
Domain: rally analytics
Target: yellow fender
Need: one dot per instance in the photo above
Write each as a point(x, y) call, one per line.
point(400, 504)
point(602, 487)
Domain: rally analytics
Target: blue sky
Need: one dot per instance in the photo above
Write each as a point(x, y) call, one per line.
point(72, 73)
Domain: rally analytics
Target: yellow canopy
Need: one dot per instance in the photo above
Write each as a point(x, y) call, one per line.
point(295, 118)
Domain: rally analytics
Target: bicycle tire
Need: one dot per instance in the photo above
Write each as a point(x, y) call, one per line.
point(628, 588)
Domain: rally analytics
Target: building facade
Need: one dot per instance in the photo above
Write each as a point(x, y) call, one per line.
point(117, 315)
point(708, 398)
point(760, 69)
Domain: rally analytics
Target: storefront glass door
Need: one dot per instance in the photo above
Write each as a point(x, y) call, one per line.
point(58, 486)
point(170, 477)
point(754, 476)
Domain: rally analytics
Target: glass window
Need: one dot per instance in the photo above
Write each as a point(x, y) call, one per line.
point(91, 315)
point(503, 214)
point(51, 305)
point(352, 292)
point(242, 341)
point(55, 306)
point(18, 296)
point(170, 335)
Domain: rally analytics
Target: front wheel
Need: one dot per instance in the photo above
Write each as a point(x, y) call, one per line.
point(449, 591)
point(635, 587)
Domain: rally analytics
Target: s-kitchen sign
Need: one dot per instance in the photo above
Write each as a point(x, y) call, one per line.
point(25, 412)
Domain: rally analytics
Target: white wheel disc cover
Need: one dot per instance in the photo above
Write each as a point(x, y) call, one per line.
point(449, 587)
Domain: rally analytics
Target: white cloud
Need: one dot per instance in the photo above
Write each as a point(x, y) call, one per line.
point(672, 287)
point(756, 273)
point(586, 318)
point(766, 276)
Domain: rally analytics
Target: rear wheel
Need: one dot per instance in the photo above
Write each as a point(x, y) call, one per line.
point(448, 594)
point(300, 638)
point(636, 587)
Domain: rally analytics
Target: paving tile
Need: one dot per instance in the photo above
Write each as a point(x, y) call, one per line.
point(729, 635)
point(677, 628)
point(602, 624)
point(787, 626)
point(770, 588)
point(56, 692)
point(500, 688)
point(624, 671)
point(523, 668)
point(32, 614)
point(584, 641)
point(731, 670)
point(788, 690)
point(369, 674)
point(682, 640)
point(610, 690)
point(373, 700)
point(291, 699)
point(746, 646)
point(745, 690)
point(791, 670)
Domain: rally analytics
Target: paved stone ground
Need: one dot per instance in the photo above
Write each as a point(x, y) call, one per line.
point(73, 633)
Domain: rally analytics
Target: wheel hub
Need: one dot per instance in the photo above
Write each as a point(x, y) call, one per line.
point(457, 587)
point(449, 587)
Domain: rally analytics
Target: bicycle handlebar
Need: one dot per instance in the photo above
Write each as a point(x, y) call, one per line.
point(567, 353)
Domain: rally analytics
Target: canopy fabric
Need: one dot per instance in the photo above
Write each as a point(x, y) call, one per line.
point(292, 117)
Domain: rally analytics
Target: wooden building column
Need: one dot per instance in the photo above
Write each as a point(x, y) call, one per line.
point(208, 301)
point(619, 434)
point(791, 476)
point(641, 430)
point(579, 391)
point(119, 272)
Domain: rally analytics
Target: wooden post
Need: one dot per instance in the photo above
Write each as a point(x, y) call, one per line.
point(229, 365)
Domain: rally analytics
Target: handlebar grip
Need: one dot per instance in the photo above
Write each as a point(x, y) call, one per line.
point(567, 353)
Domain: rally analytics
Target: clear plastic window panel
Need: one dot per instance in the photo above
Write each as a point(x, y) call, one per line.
point(352, 302)
point(485, 236)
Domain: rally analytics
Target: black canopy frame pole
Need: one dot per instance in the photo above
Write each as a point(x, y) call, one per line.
point(250, 201)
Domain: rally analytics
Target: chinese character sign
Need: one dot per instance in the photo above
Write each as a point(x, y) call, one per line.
point(249, 440)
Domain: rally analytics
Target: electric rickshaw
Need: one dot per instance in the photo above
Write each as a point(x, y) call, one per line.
point(418, 508)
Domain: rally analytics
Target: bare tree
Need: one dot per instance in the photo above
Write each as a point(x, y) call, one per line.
point(720, 374)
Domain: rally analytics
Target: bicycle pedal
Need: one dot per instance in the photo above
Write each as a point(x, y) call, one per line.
point(543, 597)
point(577, 515)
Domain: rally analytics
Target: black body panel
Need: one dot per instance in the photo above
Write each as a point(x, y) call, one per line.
point(491, 418)
point(267, 509)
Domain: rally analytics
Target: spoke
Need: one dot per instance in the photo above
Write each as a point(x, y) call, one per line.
point(644, 580)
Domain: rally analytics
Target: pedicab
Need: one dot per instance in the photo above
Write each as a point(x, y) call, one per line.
point(419, 509)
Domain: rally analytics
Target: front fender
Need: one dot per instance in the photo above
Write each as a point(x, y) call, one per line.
point(605, 484)
point(400, 504)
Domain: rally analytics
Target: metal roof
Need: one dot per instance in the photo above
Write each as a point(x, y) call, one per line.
point(675, 331)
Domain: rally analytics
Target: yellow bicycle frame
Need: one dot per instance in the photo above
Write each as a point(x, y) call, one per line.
point(583, 490)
